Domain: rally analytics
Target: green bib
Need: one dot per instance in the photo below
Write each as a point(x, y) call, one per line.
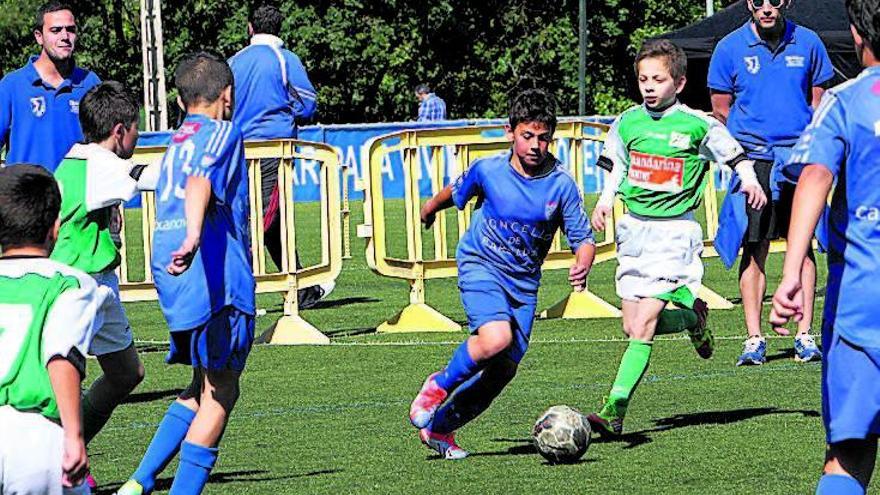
point(84, 239)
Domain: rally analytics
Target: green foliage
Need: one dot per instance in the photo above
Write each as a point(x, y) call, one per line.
point(365, 56)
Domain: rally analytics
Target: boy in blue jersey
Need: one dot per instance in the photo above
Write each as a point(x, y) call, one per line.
point(202, 267)
point(522, 197)
point(842, 143)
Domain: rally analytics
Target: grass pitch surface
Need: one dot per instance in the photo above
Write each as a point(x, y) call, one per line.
point(333, 419)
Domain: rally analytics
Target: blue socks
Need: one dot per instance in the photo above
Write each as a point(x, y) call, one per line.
point(165, 444)
point(460, 368)
point(839, 484)
point(196, 463)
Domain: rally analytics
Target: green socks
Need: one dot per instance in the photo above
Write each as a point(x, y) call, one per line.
point(675, 320)
point(632, 367)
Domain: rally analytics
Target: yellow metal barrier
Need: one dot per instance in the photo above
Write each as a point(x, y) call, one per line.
point(291, 328)
point(464, 145)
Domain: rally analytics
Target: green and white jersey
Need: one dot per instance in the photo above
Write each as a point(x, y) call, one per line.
point(46, 309)
point(93, 181)
point(661, 159)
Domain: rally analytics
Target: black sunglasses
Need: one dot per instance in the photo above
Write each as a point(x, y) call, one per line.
point(776, 4)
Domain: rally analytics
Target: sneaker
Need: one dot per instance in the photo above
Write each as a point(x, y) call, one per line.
point(754, 352)
point(701, 337)
point(805, 349)
point(90, 480)
point(442, 444)
point(608, 421)
point(422, 410)
point(309, 296)
point(131, 487)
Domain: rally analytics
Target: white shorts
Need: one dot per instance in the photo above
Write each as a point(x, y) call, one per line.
point(657, 256)
point(115, 332)
point(31, 449)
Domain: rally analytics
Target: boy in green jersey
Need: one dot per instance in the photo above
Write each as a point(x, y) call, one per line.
point(95, 178)
point(47, 319)
point(659, 155)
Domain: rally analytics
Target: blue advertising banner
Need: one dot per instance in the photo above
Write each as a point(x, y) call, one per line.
point(350, 139)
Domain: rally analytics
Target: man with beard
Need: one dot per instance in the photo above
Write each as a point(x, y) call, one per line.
point(766, 78)
point(39, 103)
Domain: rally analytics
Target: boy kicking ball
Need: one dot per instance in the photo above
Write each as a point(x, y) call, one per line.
point(842, 143)
point(202, 267)
point(523, 196)
point(659, 154)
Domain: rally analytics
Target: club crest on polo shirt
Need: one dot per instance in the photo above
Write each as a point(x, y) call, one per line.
point(794, 61)
point(752, 64)
point(74, 106)
point(38, 106)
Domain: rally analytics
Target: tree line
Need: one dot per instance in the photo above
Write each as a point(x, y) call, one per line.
point(366, 56)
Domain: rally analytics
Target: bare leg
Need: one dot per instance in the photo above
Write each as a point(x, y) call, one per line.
point(753, 284)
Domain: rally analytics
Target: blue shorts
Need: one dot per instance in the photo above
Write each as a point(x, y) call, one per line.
point(223, 343)
point(486, 301)
point(850, 389)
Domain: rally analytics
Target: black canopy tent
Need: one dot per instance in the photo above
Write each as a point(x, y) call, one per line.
point(828, 18)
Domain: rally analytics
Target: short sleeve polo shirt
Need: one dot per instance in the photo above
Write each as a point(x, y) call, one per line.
point(39, 123)
point(772, 90)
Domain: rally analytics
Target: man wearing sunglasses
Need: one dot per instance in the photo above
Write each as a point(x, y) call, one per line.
point(765, 79)
point(39, 103)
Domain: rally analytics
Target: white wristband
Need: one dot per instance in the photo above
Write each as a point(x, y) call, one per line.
point(746, 171)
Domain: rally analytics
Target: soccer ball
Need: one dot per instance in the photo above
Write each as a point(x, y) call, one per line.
point(562, 435)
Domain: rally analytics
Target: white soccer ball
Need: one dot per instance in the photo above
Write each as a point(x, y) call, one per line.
point(562, 435)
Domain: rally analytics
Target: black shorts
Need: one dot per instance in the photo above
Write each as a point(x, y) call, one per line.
point(771, 221)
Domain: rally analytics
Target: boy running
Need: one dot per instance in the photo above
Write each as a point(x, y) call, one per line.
point(523, 196)
point(659, 154)
point(47, 320)
point(202, 267)
point(842, 143)
point(95, 178)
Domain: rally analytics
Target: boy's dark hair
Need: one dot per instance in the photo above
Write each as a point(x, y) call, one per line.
point(201, 77)
point(422, 89)
point(267, 19)
point(865, 16)
point(533, 105)
point(676, 60)
point(29, 205)
point(48, 8)
point(104, 106)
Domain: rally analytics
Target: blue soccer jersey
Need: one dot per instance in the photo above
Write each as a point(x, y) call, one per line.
point(514, 222)
point(221, 273)
point(844, 137)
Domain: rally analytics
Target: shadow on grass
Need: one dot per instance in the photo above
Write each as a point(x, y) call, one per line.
point(786, 354)
point(140, 397)
point(253, 475)
point(524, 446)
point(325, 304)
point(642, 437)
point(349, 332)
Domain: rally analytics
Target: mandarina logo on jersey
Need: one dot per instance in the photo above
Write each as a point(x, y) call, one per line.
point(656, 173)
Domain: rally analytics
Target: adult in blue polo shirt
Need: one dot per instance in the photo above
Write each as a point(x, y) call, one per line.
point(39, 103)
point(272, 93)
point(765, 79)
